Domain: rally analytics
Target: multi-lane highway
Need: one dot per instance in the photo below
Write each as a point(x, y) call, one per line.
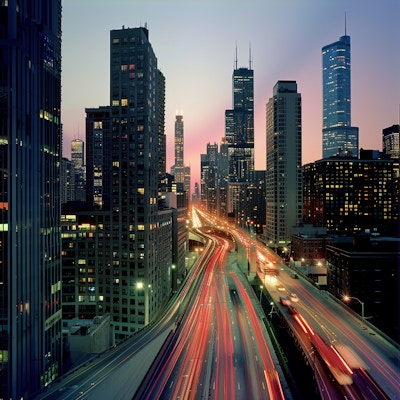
point(360, 345)
point(220, 349)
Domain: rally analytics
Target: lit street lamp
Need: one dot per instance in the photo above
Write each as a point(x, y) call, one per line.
point(347, 298)
point(272, 311)
point(261, 288)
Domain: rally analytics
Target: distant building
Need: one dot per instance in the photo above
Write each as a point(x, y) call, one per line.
point(30, 157)
point(368, 269)
point(209, 178)
point(98, 147)
point(67, 180)
point(186, 184)
point(78, 160)
point(338, 136)
point(237, 147)
point(179, 172)
point(308, 245)
point(283, 178)
point(391, 141)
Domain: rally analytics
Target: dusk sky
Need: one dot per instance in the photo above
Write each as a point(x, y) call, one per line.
point(194, 42)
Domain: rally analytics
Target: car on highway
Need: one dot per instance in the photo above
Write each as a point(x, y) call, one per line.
point(280, 288)
point(284, 301)
point(294, 297)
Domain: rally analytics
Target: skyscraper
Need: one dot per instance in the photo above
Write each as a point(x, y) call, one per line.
point(283, 168)
point(78, 160)
point(141, 242)
point(338, 136)
point(179, 141)
point(30, 157)
point(239, 124)
point(98, 147)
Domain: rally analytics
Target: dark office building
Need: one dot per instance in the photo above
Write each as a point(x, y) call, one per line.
point(391, 141)
point(349, 195)
point(368, 269)
point(30, 158)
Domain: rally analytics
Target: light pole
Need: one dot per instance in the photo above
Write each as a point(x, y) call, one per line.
point(347, 298)
point(261, 288)
point(173, 278)
point(271, 312)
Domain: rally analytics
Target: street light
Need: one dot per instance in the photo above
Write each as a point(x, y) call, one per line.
point(347, 298)
point(261, 288)
point(272, 311)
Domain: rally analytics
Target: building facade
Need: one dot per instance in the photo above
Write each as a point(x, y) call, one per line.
point(351, 195)
point(78, 160)
point(30, 158)
point(67, 181)
point(137, 88)
point(368, 269)
point(179, 171)
point(338, 136)
point(391, 141)
point(283, 178)
point(98, 148)
point(239, 125)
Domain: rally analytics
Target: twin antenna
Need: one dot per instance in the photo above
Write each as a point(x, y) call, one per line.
point(236, 57)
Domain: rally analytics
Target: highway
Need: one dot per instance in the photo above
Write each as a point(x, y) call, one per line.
point(350, 358)
point(373, 361)
point(220, 350)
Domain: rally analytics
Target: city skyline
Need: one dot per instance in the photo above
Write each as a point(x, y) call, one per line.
point(195, 45)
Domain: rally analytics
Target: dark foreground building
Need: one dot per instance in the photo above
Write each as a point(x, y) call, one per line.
point(368, 269)
point(30, 158)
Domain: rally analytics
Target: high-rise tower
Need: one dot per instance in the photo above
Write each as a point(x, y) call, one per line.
point(141, 254)
point(30, 158)
point(78, 160)
point(98, 146)
point(239, 124)
point(338, 136)
point(284, 168)
point(179, 140)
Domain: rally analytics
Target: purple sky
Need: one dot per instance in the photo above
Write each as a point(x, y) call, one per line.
point(194, 42)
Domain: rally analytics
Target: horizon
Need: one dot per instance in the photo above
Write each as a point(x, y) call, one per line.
point(197, 45)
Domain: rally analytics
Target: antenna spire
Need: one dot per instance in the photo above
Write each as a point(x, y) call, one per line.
point(250, 55)
point(345, 25)
point(236, 59)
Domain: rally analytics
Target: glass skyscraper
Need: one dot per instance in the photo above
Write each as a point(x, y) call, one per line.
point(239, 125)
point(338, 136)
point(30, 158)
